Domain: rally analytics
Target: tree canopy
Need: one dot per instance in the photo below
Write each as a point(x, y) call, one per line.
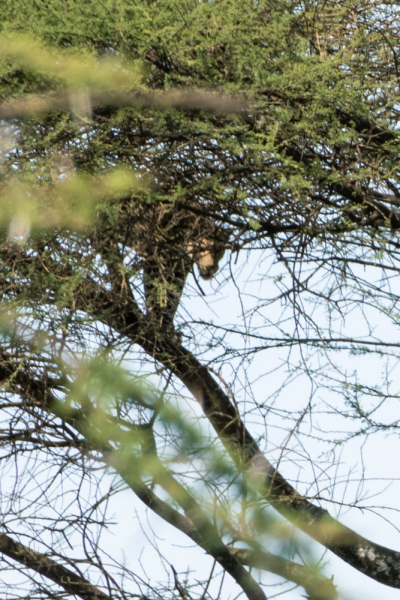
point(149, 146)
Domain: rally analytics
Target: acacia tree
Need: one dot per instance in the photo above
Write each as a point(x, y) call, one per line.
point(141, 138)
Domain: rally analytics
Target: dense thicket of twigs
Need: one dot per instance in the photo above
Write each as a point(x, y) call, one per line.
point(286, 142)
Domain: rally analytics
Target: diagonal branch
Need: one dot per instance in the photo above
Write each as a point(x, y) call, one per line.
point(18, 380)
point(195, 524)
point(72, 583)
point(316, 586)
point(376, 561)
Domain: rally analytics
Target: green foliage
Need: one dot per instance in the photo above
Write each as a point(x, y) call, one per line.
point(27, 204)
point(73, 70)
point(310, 91)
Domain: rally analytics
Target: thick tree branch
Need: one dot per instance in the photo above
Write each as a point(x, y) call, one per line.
point(316, 586)
point(124, 316)
point(194, 523)
point(375, 561)
point(72, 583)
point(202, 532)
point(378, 562)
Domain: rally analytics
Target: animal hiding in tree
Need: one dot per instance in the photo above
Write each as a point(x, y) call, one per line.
point(169, 242)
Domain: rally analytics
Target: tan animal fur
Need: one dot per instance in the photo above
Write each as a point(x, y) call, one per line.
point(168, 242)
point(207, 257)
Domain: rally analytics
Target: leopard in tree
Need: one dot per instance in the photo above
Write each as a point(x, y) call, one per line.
point(168, 242)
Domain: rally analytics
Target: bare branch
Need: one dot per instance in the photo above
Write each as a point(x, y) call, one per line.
point(71, 582)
